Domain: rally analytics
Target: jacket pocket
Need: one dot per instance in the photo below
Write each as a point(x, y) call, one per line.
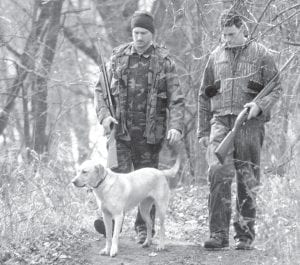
point(162, 102)
point(160, 128)
point(114, 89)
point(254, 87)
point(250, 90)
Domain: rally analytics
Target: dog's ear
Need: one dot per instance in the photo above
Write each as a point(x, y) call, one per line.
point(100, 170)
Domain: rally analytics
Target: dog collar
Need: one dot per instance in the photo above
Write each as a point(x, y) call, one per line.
point(100, 182)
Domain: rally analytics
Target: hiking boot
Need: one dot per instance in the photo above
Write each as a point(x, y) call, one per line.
point(100, 227)
point(243, 244)
point(216, 242)
point(141, 236)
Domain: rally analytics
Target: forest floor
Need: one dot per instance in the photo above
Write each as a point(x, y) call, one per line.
point(186, 230)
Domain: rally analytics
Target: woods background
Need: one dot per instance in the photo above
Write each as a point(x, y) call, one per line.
point(48, 67)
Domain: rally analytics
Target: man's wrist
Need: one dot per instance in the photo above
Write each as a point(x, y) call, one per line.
point(104, 117)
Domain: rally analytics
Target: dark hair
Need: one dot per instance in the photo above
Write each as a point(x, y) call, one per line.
point(230, 18)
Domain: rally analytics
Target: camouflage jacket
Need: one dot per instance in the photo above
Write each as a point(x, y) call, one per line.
point(163, 93)
point(232, 73)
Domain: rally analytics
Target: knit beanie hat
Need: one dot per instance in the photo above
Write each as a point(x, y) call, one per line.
point(142, 19)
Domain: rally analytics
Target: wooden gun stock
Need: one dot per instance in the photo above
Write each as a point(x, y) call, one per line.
point(227, 143)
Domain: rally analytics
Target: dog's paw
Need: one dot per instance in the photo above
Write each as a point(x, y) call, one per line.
point(104, 252)
point(113, 251)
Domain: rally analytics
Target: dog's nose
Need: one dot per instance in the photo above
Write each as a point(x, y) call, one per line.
point(77, 183)
point(74, 181)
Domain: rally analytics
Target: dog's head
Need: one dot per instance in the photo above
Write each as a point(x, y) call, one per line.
point(89, 174)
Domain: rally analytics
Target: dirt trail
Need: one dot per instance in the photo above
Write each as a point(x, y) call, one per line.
point(177, 252)
point(186, 230)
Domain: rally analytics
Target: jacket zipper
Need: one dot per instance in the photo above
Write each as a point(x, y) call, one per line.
point(233, 71)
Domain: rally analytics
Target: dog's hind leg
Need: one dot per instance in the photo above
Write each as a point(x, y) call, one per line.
point(145, 208)
point(161, 212)
point(107, 218)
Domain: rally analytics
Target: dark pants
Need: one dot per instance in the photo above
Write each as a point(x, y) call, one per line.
point(136, 154)
point(243, 161)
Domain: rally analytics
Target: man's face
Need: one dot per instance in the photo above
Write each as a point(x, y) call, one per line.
point(233, 36)
point(141, 38)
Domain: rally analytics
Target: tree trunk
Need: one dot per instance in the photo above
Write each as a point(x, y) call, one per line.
point(40, 97)
point(116, 18)
point(27, 64)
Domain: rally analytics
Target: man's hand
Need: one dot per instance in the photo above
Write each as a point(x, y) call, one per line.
point(173, 136)
point(254, 110)
point(108, 123)
point(204, 141)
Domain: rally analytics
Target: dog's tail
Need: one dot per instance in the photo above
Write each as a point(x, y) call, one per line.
point(171, 172)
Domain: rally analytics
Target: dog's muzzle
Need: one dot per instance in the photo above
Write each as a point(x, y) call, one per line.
point(76, 183)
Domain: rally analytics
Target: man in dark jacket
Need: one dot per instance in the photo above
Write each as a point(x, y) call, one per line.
point(144, 86)
point(235, 72)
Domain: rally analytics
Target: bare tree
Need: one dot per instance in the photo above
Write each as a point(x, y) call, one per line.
point(42, 39)
point(39, 100)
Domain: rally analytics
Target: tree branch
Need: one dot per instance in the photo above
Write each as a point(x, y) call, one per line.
point(281, 22)
point(292, 43)
point(27, 59)
point(260, 18)
point(285, 10)
point(75, 11)
point(91, 52)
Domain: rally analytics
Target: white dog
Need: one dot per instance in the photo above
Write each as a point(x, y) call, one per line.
point(116, 193)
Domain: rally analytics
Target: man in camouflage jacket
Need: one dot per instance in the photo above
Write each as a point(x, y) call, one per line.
point(144, 86)
point(235, 72)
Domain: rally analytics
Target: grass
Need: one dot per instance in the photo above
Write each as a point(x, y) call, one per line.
point(279, 218)
point(40, 207)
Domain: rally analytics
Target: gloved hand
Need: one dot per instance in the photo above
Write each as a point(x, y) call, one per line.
point(211, 91)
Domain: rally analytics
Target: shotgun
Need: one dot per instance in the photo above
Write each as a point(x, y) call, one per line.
point(227, 143)
point(112, 159)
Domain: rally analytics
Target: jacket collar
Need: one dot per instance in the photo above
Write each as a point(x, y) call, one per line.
point(132, 50)
point(242, 46)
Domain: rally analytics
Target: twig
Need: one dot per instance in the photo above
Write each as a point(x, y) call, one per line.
point(76, 11)
point(282, 12)
point(260, 18)
point(12, 50)
point(275, 26)
point(85, 30)
point(79, 44)
point(292, 43)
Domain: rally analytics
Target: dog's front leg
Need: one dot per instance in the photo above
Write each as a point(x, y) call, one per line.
point(107, 218)
point(115, 239)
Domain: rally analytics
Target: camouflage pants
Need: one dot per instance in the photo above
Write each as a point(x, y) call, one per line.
point(243, 161)
point(136, 154)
